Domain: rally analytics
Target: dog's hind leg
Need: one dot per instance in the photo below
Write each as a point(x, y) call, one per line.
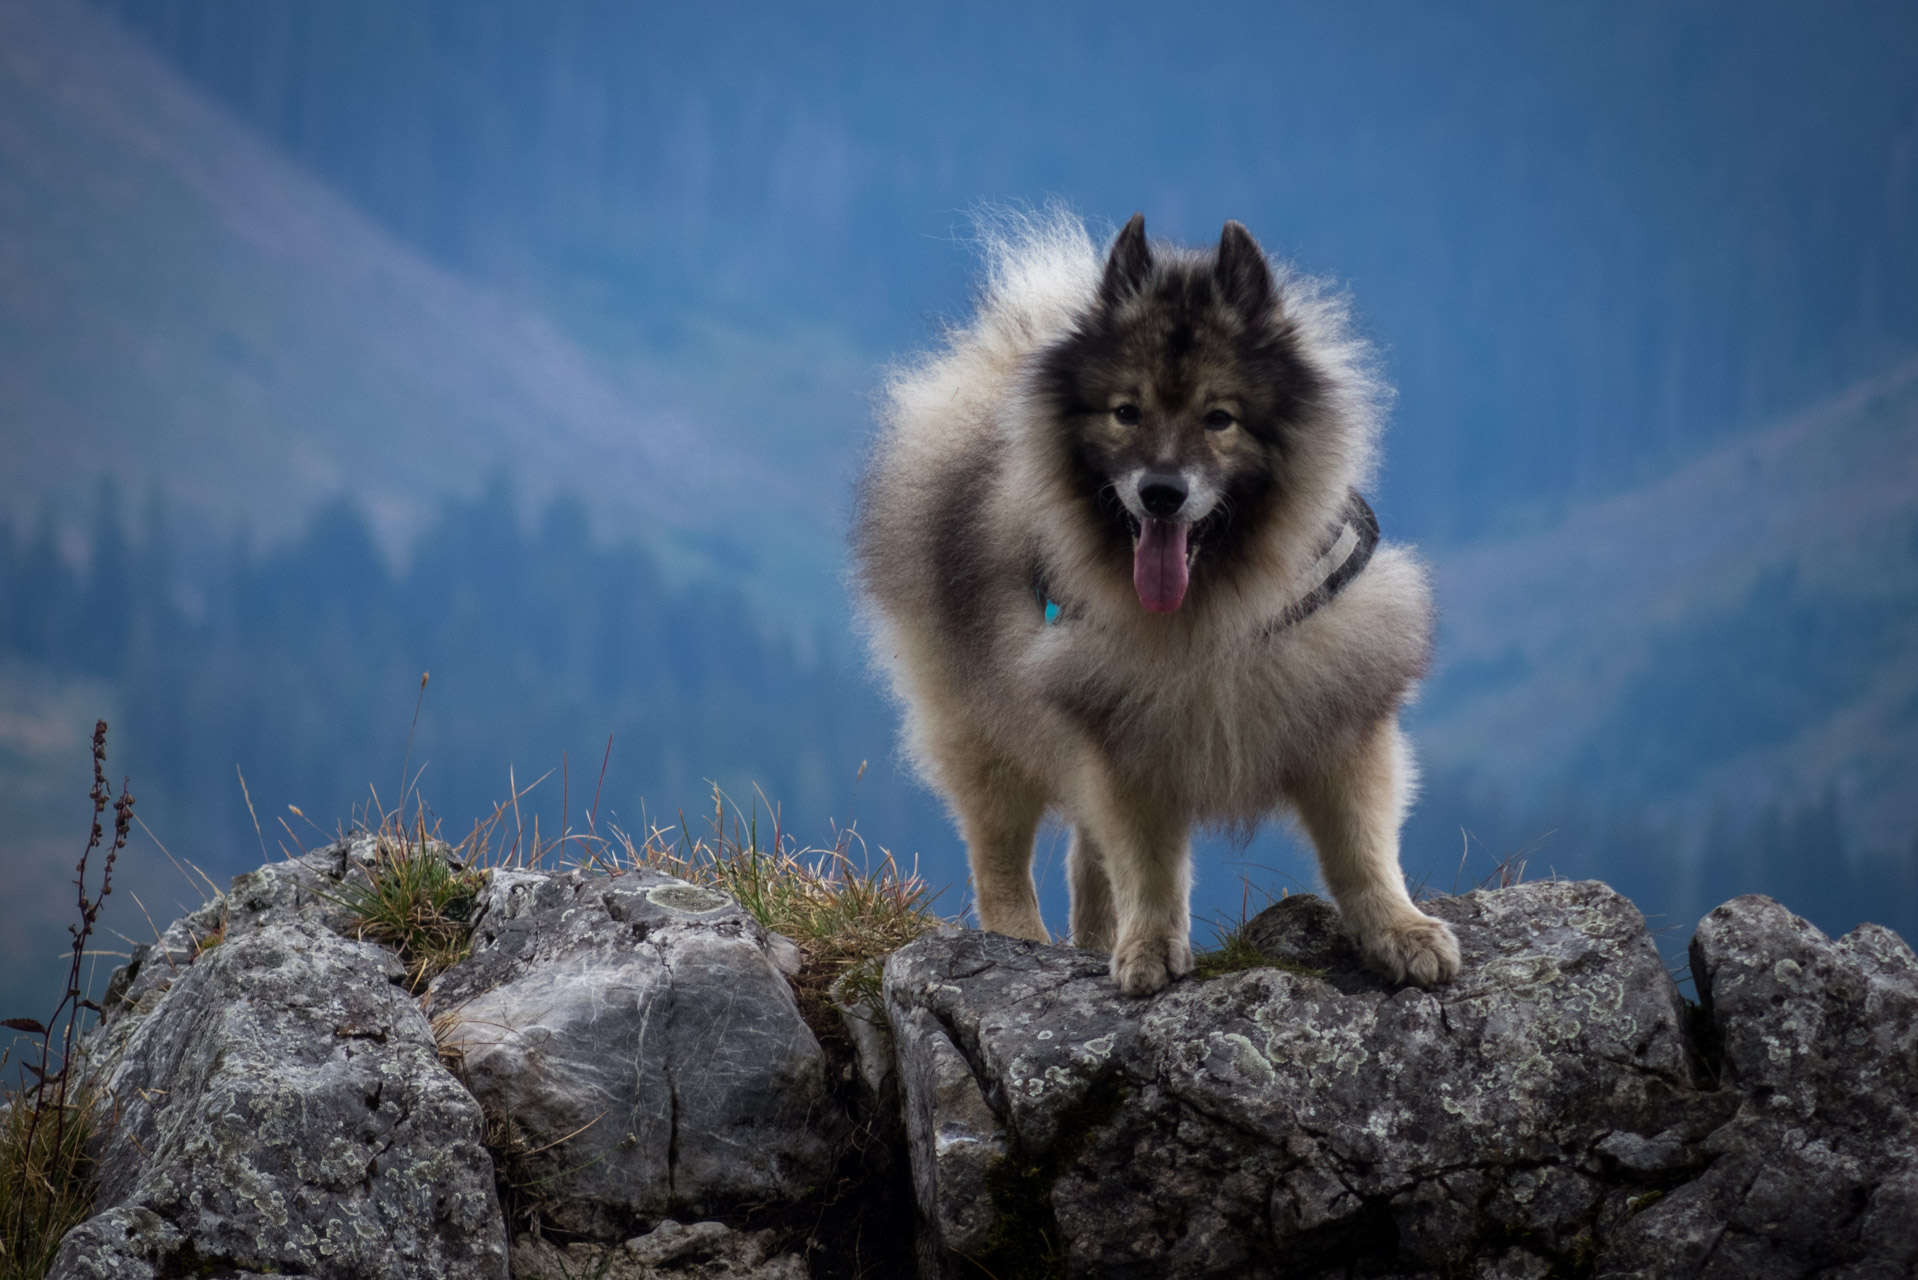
point(1147, 860)
point(1352, 804)
point(1094, 925)
point(999, 811)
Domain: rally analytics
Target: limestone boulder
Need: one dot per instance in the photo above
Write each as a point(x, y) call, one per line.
point(281, 1109)
point(630, 1048)
point(1298, 1121)
point(670, 1251)
point(1816, 1172)
point(639, 1033)
point(1557, 1110)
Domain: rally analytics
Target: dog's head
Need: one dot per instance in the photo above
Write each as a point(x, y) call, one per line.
point(1179, 397)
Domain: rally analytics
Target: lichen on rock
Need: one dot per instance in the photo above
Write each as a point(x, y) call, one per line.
point(282, 1105)
point(281, 1109)
point(1542, 1114)
point(278, 1104)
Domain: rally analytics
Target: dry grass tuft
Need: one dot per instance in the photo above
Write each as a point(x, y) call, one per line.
point(845, 911)
point(846, 914)
point(46, 1177)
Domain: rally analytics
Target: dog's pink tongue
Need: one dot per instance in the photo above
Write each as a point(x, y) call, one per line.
point(1158, 565)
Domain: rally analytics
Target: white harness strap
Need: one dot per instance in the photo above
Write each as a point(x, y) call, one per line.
point(1346, 554)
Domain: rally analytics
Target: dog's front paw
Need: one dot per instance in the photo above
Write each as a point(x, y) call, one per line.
point(1142, 966)
point(1413, 948)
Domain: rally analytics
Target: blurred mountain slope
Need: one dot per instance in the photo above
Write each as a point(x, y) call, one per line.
point(1592, 239)
point(181, 305)
point(1740, 633)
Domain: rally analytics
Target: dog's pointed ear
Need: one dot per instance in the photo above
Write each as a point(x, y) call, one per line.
point(1130, 263)
point(1244, 278)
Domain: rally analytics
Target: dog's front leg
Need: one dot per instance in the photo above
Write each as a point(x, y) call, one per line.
point(1147, 858)
point(1352, 804)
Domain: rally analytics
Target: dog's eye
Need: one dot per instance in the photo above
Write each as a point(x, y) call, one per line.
point(1127, 414)
point(1217, 420)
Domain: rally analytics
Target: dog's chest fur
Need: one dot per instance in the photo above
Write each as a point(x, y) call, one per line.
point(1214, 723)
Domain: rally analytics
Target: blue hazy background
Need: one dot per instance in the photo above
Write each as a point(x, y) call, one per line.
point(532, 345)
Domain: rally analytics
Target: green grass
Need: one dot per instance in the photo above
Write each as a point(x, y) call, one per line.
point(1233, 952)
point(418, 898)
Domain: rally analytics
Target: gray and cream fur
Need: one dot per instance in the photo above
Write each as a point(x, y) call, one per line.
point(1157, 442)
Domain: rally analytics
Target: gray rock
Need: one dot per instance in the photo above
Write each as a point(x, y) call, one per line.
point(1548, 1113)
point(671, 1251)
point(1818, 1169)
point(129, 1243)
point(1555, 1111)
point(639, 1030)
point(872, 1047)
point(1648, 1157)
point(953, 1137)
point(672, 1241)
point(307, 887)
point(866, 1028)
point(1274, 1122)
point(282, 1110)
point(785, 953)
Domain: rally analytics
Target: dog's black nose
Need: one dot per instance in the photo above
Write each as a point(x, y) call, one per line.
point(1162, 495)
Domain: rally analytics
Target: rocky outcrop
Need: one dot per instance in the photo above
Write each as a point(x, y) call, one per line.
point(631, 1050)
point(277, 1103)
point(307, 888)
point(282, 1111)
point(1548, 1113)
point(1816, 1172)
point(640, 1035)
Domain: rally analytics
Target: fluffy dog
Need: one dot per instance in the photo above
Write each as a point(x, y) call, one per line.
point(1113, 556)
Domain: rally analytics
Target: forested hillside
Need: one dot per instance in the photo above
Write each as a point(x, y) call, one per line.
point(300, 663)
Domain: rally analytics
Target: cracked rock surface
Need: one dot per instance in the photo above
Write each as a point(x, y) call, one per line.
point(646, 1018)
point(1548, 1113)
point(1557, 1111)
point(670, 1251)
point(283, 1108)
point(283, 1111)
point(1816, 1173)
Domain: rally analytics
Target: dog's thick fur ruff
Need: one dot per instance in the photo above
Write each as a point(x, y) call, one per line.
point(1043, 443)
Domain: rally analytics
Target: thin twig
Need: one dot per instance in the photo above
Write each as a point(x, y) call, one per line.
point(519, 823)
